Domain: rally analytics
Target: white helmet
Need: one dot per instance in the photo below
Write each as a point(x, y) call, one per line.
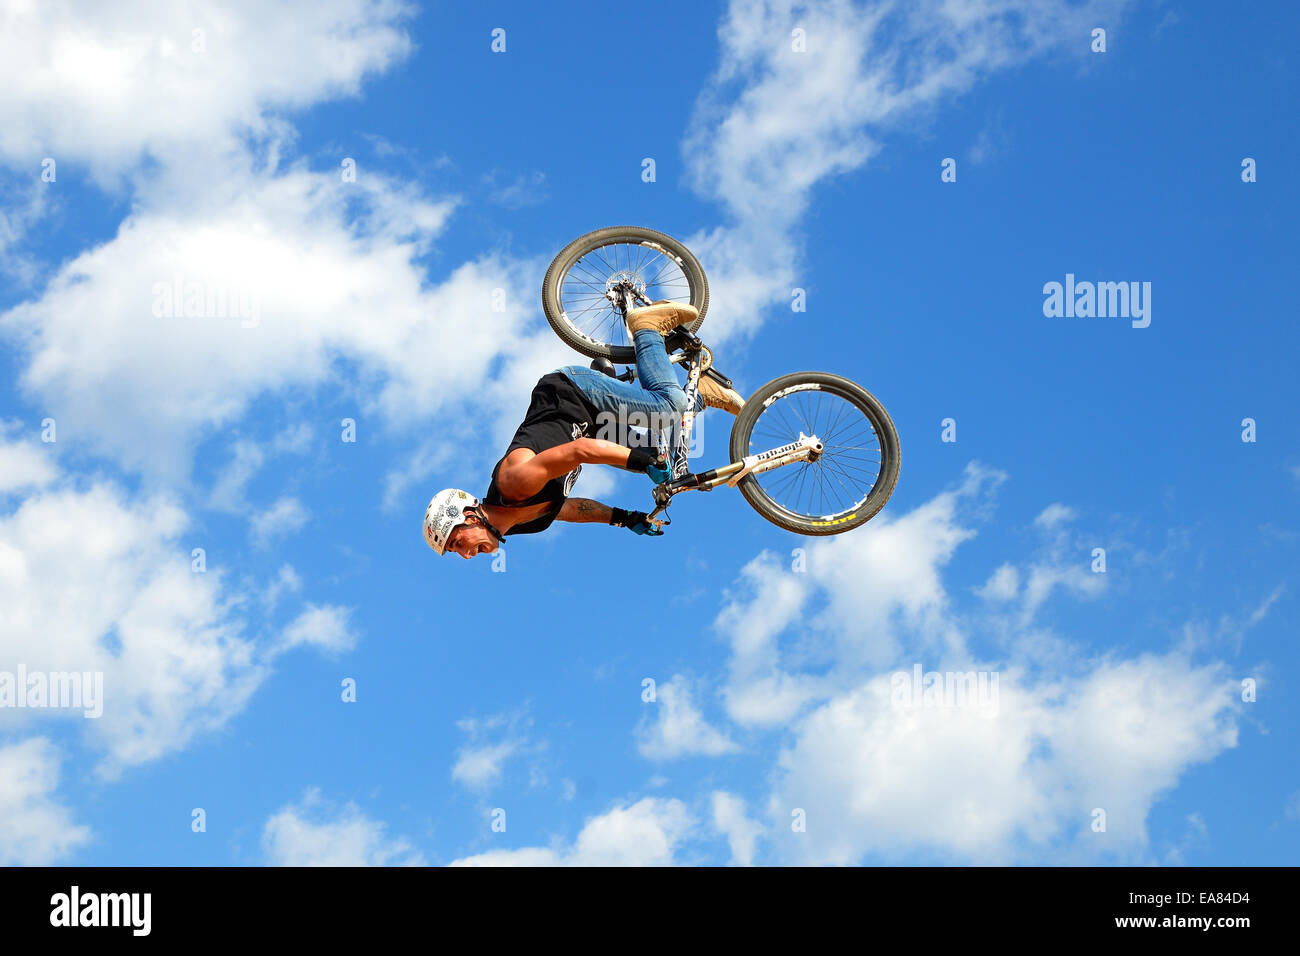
point(445, 513)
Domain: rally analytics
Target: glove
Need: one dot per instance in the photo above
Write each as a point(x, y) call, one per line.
point(658, 471)
point(635, 521)
point(655, 465)
point(642, 526)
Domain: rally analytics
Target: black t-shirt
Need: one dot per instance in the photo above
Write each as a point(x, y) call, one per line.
point(558, 412)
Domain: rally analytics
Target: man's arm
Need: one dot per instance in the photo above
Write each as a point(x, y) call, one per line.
point(583, 510)
point(523, 472)
point(586, 510)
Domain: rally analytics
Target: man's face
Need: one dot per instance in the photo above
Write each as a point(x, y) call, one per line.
point(471, 539)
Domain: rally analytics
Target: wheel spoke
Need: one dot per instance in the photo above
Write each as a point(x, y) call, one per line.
point(582, 287)
point(848, 468)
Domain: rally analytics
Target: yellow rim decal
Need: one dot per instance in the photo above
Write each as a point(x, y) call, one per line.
point(819, 524)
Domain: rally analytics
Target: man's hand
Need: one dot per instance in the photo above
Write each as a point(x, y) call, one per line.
point(640, 525)
point(658, 470)
point(653, 464)
point(638, 522)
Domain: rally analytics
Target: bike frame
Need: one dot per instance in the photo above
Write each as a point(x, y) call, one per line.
point(692, 357)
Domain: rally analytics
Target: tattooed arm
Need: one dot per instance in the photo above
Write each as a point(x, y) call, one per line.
point(584, 510)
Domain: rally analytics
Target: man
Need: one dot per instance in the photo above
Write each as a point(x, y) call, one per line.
point(530, 485)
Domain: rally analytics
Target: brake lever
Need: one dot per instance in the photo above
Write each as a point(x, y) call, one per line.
point(662, 497)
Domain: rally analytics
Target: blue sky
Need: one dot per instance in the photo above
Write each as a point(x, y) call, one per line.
point(217, 159)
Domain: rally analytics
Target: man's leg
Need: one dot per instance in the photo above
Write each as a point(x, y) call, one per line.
point(664, 316)
point(656, 402)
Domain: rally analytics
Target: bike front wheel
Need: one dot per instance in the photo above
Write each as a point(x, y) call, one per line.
point(856, 471)
point(573, 292)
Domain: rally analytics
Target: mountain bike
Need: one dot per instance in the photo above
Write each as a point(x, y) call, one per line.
point(812, 452)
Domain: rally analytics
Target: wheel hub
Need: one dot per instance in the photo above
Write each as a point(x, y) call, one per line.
point(620, 281)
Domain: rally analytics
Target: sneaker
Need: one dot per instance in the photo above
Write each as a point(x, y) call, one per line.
point(715, 396)
point(662, 317)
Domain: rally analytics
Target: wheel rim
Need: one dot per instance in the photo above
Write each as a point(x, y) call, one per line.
point(839, 483)
point(651, 270)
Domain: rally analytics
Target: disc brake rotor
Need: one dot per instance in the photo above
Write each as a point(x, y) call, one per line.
point(625, 278)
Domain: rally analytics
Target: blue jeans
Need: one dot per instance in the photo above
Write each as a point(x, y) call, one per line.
point(655, 401)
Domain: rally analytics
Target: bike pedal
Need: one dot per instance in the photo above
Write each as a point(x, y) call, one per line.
point(680, 338)
point(719, 377)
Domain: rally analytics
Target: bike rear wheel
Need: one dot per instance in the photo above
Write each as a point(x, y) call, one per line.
point(573, 292)
point(856, 472)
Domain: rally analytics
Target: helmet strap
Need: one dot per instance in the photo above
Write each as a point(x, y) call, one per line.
point(482, 516)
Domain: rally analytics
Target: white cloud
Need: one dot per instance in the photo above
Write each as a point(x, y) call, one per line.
point(109, 336)
point(678, 728)
point(885, 581)
point(1054, 515)
point(324, 627)
point(480, 767)
point(312, 260)
point(84, 84)
point(24, 465)
point(990, 144)
point(771, 126)
point(758, 691)
point(1127, 729)
point(646, 833)
point(312, 833)
point(1043, 579)
point(97, 358)
point(1292, 807)
point(284, 517)
point(28, 200)
point(643, 834)
point(1061, 565)
point(35, 829)
point(491, 741)
point(731, 819)
point(773, 123)
point(528, 856)
point(1195, 836)
point(228, 488)
point(92, 580)
point(1012, 783)
point(1002, 585)
point(294, 439)
point(1260, 612)
point(872, 588)
point(286, 581)
point(528, 189)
